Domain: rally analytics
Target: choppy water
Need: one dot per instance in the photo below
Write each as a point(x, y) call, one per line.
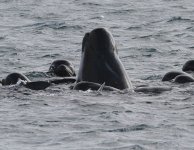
point(153, 37)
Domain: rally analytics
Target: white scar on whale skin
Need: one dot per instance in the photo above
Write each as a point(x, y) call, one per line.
point(101, 87)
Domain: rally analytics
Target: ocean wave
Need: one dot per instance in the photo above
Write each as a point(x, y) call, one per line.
point(7, 49)
point(133, 147)
point(179, 19)
point(151, 50)
point(120, 11)
point(134, 28)
point(51, 56)
point(91, 4)
point(36, 74)
point(131, 128)
point(192, 47)
point(2, 37)
point(52, 25)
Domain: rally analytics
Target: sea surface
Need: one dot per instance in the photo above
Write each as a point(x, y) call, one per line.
point(152, 36)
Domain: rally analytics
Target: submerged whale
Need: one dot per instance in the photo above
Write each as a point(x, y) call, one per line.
point(172, 75)
point(183, 76)
point(100, 62)
point(14, 78)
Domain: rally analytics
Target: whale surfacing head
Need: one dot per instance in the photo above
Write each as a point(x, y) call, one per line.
point(100, 62)
point(188, 66)
point(62, 68)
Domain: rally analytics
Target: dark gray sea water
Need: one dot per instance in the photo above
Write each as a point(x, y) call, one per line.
point(152, 36)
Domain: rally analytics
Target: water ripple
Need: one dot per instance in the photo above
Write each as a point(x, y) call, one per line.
point(131, 128)
point(52, 25)
point(179, 19)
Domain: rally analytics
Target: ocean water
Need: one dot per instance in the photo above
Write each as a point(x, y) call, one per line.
point(153, 37)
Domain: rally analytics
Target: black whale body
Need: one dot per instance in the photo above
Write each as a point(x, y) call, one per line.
point(100, 62)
